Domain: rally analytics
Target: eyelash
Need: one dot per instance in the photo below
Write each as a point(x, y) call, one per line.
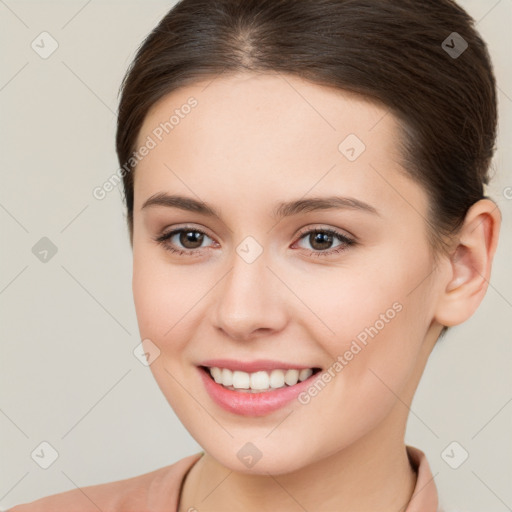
point(346, 241)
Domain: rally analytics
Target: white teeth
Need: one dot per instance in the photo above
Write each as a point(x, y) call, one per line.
point(277, 379)
point(260, 380)
point(227, 377)
point(216, 374)
point(291, 377)
point(241, 380)
point(305, 373)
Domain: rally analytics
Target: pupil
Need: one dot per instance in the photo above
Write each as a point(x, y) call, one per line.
point(193, 237)
point(324, 238)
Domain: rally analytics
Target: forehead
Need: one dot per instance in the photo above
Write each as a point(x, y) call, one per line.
point(259, 105)
point(270, 134)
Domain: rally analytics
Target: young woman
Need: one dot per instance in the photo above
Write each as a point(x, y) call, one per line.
point(304, 185)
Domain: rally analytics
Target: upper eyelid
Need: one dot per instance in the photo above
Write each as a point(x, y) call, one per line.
point(174, 230)
point(336, 231)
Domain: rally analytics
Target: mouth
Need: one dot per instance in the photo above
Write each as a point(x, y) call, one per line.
point(261, 381)
point(256, 393)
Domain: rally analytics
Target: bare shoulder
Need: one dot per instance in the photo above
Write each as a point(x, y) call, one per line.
point(126, 495)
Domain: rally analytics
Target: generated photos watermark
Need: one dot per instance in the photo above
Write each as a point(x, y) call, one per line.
point(151, 142)
point(357, 345)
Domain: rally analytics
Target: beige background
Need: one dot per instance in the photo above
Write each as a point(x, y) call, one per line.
point(68, 374)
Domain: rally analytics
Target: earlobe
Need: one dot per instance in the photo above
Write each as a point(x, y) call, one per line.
point(470, 264)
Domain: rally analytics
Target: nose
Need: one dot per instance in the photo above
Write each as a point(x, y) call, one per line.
point(250, 301)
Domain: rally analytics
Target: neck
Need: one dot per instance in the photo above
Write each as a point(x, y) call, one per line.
point(373, 473)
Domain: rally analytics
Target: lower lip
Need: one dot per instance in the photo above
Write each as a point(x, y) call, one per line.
point(253, 404)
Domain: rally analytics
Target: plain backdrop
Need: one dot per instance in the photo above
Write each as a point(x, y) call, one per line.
point(68, 373)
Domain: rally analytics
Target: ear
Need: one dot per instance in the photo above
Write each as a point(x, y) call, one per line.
point(470, 264)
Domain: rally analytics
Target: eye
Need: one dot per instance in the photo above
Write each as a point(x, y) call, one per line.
point(321, 241)
point(187, 241)
point(188, 238)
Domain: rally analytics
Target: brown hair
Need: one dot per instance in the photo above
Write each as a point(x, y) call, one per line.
point(402, 53)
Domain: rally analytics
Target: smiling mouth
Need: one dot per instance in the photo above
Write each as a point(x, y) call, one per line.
point(260, 381)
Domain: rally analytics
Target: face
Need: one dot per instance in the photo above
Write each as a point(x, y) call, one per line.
point(294, 245)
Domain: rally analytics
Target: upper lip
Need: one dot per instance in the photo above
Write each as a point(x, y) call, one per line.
point(253, 366)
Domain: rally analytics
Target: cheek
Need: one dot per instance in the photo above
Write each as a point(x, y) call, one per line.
point(377, 320)
point(154, 293)
point(161, 315)
point(150, 299)
point(379, 327)
point(167, 302)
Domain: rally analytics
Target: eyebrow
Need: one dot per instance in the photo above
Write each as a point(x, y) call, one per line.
point(284, 209)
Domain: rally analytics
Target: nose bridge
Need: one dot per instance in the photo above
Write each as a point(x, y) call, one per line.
point(247, 299)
